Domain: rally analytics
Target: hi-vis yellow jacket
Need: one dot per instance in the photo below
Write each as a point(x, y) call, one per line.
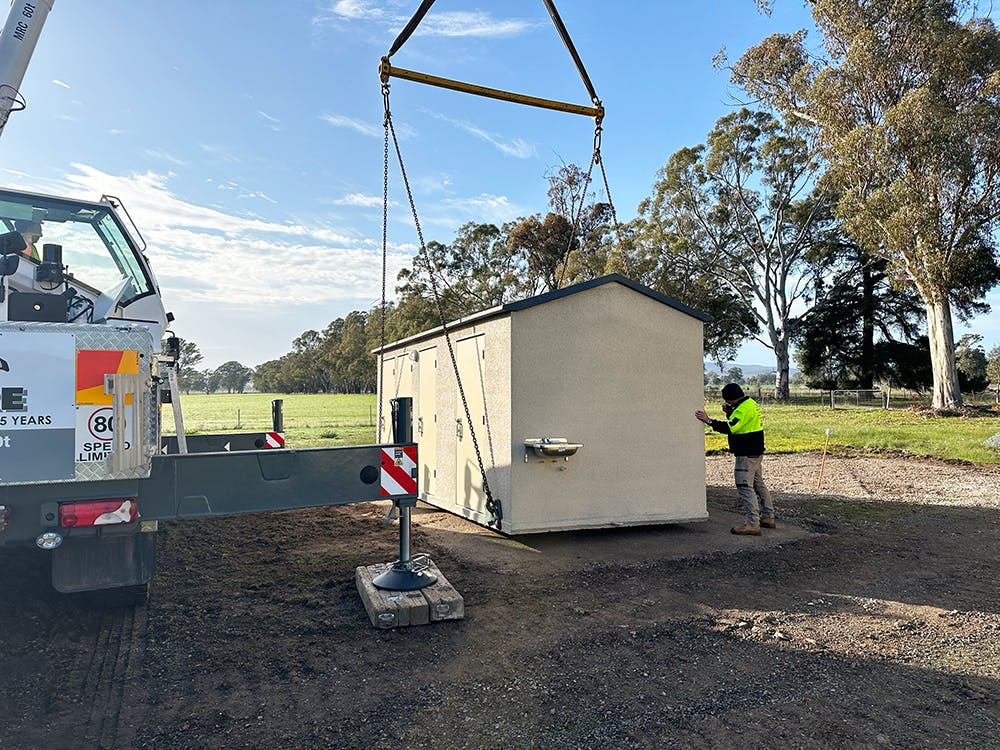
point(745, 428)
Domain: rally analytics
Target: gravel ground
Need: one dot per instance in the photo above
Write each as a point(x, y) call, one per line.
point(869, 619)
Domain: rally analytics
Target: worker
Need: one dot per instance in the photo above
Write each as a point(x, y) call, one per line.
point(32, 232)
point(745, 429)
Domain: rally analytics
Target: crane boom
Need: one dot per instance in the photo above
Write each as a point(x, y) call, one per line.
point(17, 44)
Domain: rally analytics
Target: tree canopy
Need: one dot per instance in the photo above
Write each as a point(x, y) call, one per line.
point(740, 211)
point(903, 102)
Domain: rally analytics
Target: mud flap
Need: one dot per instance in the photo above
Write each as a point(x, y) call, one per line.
point(104, 562)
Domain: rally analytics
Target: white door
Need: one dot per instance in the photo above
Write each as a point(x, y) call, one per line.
point(383, 432)
point(425, 420)
point(470, 353)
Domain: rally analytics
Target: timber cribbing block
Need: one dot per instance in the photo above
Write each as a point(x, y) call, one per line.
point(396, 609)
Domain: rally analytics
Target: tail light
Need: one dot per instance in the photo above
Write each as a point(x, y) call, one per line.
point(98, 512)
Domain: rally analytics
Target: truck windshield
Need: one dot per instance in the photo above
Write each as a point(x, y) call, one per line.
point(95, 248)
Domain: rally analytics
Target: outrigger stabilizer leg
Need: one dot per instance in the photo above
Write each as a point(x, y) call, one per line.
point(408, 573)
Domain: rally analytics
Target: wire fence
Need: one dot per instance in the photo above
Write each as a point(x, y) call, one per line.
point(872, 398)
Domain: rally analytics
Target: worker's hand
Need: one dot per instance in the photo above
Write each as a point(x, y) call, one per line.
point(702, 416)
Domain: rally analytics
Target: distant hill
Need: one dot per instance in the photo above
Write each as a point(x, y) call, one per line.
point(747, 369)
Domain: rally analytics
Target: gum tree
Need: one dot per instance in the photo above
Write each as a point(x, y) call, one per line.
point(903, 102)
point(744, 205)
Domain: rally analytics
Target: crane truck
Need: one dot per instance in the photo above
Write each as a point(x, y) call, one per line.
point(85, 471)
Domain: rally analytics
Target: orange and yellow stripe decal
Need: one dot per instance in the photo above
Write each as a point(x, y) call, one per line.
point(91, 367)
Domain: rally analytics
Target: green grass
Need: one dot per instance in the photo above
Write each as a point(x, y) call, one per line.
point(798, 429)
point(313, 420)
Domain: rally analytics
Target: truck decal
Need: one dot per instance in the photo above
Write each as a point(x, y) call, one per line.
point(95, 431)
point(91, 367)
point(37, 409)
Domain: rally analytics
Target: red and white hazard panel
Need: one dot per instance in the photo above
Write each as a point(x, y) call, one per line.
point(399, 469)
point(274, 440)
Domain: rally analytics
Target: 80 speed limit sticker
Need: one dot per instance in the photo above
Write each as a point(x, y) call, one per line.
point(101, 423)
point(95, 431)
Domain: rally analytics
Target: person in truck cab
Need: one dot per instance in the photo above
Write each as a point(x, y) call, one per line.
point(32, 233)
point(745, 429)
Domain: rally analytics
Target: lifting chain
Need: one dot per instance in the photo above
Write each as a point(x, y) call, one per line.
point(599, 158)
point(385, 251)
point(595, 159)
point(494, 507)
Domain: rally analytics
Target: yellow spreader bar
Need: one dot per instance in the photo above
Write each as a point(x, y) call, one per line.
point(387, 71)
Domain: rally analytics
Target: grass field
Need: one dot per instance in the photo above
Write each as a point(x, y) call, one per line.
point(797, 429)
point(313, 420)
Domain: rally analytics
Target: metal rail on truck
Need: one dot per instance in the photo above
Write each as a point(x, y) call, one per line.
point(193, 485)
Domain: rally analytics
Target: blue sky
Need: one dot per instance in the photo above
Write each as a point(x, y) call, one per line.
point(245, 137)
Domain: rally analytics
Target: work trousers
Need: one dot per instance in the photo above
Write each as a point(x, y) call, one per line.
point(755, 498)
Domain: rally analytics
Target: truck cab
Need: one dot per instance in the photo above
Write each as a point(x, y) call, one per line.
point(84, 470)
point(78, 264)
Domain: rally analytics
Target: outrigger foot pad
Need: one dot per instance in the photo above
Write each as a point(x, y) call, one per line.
point(404, 578)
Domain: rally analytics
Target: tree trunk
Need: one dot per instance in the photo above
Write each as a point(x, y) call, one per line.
point(946, 393)
point(866, 376)
point(781, 392)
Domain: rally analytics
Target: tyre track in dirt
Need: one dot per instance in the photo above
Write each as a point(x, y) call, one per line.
point(118, 648)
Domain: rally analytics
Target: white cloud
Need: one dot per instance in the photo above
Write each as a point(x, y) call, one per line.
point(494, 205)
point(516, 147)
point(474, 23)
point(57, 82)
point(451, 213)
point(208, 256)
point(158, 153)
point(393, 15)
point(358, 126)
point(359, 199)
point(272, 122)
point(220, 153)
point(359, 10)
point(259, 196)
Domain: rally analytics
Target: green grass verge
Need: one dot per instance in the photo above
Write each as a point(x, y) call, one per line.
point(313, 420)
point(799, 429)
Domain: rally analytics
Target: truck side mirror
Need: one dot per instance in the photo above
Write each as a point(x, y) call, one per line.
point(12, 243)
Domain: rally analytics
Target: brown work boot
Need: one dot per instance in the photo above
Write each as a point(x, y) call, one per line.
point(768, 523)
point(746, 530)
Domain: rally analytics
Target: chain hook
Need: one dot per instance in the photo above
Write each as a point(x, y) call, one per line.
point(598, 133)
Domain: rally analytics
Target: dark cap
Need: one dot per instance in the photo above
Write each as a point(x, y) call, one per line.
point(25, 225)
point(732, 391)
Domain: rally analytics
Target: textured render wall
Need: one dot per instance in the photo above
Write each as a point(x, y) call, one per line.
point(495, 389)
point(621, 373)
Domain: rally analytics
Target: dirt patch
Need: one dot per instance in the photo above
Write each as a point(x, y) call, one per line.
point(870, 619)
